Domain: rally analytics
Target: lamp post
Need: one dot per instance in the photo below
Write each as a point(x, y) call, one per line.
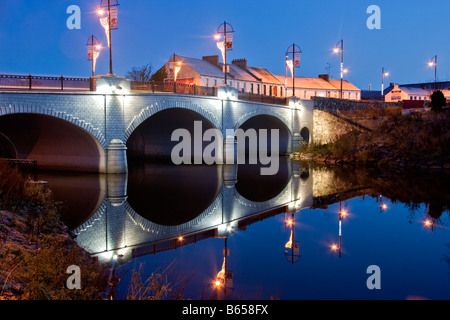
point(176, 68)
point(109, 23)
point(340, 47)
point(227, 44)
point(285, 77)
point(295, 51)
point(94, 48)
point(384, 73)
point(433, 62)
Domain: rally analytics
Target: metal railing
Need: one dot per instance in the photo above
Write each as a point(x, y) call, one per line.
point(169, 86)
point(262, 98)
point(30, 82)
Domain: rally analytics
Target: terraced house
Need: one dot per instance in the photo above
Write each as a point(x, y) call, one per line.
point(208, 72)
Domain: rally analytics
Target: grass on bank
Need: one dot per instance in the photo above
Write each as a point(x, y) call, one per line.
point(35, 248)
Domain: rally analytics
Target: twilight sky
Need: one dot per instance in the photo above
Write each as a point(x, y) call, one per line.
point(34, 37)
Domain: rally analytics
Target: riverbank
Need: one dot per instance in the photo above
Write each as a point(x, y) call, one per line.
point(415, 141)
point(36, 248)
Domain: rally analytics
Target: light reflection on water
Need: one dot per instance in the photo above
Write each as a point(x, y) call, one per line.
point(399, 222)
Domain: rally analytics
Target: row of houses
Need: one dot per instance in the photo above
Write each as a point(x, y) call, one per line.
point(209, 72)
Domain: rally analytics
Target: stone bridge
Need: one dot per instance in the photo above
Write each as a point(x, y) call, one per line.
point(99, 131)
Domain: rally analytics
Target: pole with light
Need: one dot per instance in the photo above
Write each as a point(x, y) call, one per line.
point(109, 23)
point(176, 68)
point(384, 74)
point(94, 48)
point(433, 62)
point(226, 44)
point(295, 51)
point(340, 47)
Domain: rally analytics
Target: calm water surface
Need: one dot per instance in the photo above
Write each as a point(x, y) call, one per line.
point(399, 222)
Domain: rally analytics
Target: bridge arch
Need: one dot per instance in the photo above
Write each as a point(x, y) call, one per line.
point(58, 141)
point(157, 107)
point(152, 139)
point(269, 121)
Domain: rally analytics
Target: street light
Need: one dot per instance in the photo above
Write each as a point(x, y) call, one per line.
point(226, 45)
point(384, 73)
point(176, 68)
point(94, 48)
point(433, 62)
point(340, 47)
point(109, 23)
point(295, 51)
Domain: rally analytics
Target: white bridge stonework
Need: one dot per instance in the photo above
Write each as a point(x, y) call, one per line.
point(112, 113)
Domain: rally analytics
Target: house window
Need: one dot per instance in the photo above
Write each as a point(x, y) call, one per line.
point(270, 90)
point(251, 87)
point(281, 91)
point(265, 88)
point(215, 82)
point(245, 87)
point(304, 94)
point(207, 82)
point(258, 89)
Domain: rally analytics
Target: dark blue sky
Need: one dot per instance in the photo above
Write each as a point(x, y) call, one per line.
point(34, 37)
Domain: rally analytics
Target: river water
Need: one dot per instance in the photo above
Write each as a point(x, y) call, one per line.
point(306, 233)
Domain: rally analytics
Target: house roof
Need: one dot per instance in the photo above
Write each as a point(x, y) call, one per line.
point(318, 83)
point(346, 85)
point(414, 91)
point(203, 67)
point(206, 68)
point(264, 75)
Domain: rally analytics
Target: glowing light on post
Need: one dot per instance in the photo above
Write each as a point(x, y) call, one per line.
point(105, 24)
point(94, 48)
point(334, 247)
point(427, 223)
point(180, 238)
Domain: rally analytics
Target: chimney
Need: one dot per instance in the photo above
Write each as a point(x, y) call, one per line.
point(325, 77)
point(241, 63)
point(212, 59)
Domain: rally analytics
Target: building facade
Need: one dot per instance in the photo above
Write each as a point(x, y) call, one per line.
point(209, 72)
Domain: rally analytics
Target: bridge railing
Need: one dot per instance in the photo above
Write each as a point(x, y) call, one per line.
point(169, 86)
point(30, 82)
point(262, 98)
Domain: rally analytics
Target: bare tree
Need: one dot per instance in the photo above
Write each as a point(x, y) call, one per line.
point(142, 74)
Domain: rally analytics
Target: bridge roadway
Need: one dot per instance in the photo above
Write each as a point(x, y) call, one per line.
point(99, 131)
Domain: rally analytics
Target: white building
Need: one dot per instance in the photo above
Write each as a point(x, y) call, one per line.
point(208, 72)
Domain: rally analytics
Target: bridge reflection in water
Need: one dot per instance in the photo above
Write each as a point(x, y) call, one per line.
point(161, 207)
point(158, 207)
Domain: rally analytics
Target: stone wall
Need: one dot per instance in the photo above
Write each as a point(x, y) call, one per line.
point(328, 127)
point(338, 105)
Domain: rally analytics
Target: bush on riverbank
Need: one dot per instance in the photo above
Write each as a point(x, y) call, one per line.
point(36, 248)
point(418, 139)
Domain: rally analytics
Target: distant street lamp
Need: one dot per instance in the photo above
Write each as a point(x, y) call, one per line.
point(340, 47)
point(384, 73)
point(226, 30)
point(94, 48)
point(109, 23)
point(295, 51)
point(433, 62)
